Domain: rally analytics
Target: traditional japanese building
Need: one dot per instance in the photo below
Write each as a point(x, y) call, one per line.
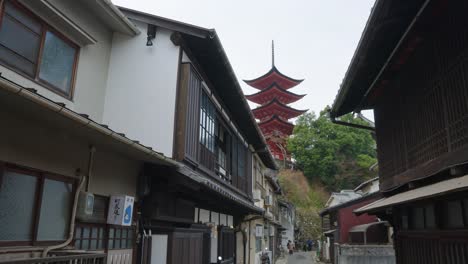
point(274, 113)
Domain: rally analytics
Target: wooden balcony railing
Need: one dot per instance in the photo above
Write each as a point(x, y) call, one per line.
point(64, 259)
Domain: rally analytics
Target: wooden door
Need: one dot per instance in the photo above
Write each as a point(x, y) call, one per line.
point(227, 244)
point(187, 247)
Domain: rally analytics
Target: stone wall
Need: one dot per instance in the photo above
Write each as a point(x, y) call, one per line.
point(369, 254)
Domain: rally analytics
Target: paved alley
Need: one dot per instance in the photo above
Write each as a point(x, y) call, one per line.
point(301, 258)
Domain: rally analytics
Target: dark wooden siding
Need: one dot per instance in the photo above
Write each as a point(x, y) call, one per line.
point(422, 120)
point(187, 248)
point(187, 135)
point(249, 175)
point(234, 161)
point(438, 247)
point(187, 115)
point(192, 127)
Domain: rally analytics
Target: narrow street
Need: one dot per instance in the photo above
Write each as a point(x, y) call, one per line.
point(301, 258)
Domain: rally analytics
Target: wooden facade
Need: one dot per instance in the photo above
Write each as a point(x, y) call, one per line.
point(205, 138)
point(420, 102)
point(422, 121)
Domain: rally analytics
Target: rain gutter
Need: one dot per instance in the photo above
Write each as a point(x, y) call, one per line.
point(62, 110)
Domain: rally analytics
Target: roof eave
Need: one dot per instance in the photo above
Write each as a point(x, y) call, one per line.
point(124, 23)
point(167, 23)
point(344, 87)
point(274, 69)
point(268, 157)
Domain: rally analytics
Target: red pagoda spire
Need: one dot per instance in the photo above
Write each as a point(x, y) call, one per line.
point(274, 111)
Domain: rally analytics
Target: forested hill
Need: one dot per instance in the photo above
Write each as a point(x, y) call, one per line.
point(337, 156)
point(329, 158)
point(308, 199)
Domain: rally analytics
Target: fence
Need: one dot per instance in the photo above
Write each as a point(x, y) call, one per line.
point(67, 259)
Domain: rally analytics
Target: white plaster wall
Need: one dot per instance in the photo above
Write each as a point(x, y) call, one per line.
point(93, 61)
point(141, 88)
point(39, 145)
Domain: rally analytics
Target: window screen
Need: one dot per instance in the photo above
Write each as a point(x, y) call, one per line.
point(57, 62)
point(55, 214)
point(20, 39)
point(17, 200)
point(31, 202)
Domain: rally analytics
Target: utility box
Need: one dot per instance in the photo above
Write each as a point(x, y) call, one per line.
point(120, 210)
point(85, 206)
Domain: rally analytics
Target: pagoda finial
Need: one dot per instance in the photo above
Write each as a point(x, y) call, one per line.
point(272, 53)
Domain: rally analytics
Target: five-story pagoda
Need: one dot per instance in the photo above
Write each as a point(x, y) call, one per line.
point(274, 113)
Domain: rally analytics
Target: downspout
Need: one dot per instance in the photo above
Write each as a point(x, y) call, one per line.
point(338, 122)
point(250, 221)
point(244, 240)
point(92, 149)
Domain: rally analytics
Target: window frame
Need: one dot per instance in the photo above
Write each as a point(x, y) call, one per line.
point(41, 176)
point(207, 138)
point(45, 27)
point(105, 238)
point(81, 226)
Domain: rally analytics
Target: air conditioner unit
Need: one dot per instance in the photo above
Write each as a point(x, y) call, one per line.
point(268, 200)
point(257, 195)
point(85, 206)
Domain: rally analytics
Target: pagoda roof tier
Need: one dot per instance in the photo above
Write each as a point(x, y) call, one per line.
point(273, 76)
point(276, 123)
point(274, 91)
point(275, 107)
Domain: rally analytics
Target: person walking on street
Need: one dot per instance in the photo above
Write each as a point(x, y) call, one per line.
point(290, 247)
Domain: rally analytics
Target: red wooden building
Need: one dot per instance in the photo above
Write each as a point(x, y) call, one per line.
point(339, 219)
point(274, 112)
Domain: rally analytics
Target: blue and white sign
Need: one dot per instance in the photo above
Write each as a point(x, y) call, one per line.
point(120, 210)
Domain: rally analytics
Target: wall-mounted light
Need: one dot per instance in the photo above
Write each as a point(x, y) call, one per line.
point(151, 33)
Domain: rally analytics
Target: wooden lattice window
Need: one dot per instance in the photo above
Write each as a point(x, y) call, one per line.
point(90, 236)
point(120, 237)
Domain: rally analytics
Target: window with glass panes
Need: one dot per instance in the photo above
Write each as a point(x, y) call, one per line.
point(31, 47)
point(120, 237)
point(207, 123)
point(36, 206)
point(101, 236)
point(90, 236)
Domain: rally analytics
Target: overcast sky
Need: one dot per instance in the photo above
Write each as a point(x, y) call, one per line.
point(314, 39)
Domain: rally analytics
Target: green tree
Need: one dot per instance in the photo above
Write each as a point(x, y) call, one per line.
point(308, 223)
point(339, 156)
